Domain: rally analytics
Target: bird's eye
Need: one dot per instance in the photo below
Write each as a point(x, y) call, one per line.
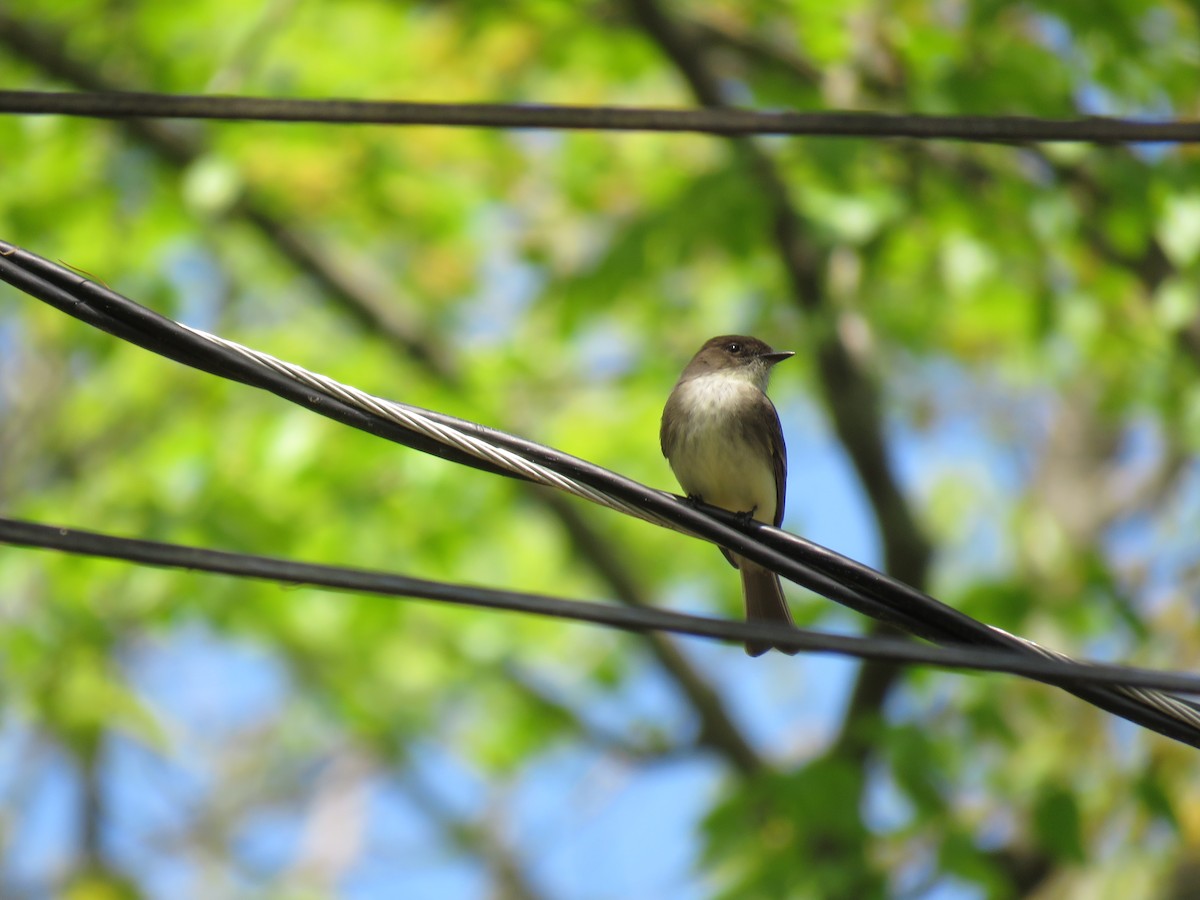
point(734, 347)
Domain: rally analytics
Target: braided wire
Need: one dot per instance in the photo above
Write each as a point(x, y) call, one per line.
point(418, 420)
point(1164, 702)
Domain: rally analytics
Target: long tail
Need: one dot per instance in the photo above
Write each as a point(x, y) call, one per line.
point(764, 600)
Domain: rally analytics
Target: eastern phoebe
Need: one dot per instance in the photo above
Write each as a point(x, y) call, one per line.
point(721, 436)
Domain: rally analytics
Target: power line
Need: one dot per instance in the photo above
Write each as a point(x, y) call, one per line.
point(843, 124)
point(636, 619)
point(810, 565)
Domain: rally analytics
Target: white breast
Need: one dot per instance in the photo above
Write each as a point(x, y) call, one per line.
point(712, 457)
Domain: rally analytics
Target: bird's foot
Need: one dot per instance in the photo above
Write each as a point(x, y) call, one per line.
point(745, 518)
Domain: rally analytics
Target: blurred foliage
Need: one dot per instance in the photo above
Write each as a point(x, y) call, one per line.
point(1036, 304)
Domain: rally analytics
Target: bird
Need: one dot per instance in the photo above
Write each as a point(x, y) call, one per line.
point(721, 436)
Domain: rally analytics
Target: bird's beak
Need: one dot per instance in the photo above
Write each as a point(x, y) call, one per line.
point(777, 356)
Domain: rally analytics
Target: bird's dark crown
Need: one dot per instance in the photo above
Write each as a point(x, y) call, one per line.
point(737, 346)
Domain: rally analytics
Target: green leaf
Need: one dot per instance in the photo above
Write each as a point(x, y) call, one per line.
point(1058, 826)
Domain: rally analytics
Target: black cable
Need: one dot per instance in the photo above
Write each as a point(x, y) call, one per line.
point(987, 129)
point(808, 564)
point(636, 619)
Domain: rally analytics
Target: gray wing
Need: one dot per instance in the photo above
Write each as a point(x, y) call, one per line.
point(666, 435)
point(779, 460)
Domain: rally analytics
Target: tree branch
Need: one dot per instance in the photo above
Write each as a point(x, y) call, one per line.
point(717, 730)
